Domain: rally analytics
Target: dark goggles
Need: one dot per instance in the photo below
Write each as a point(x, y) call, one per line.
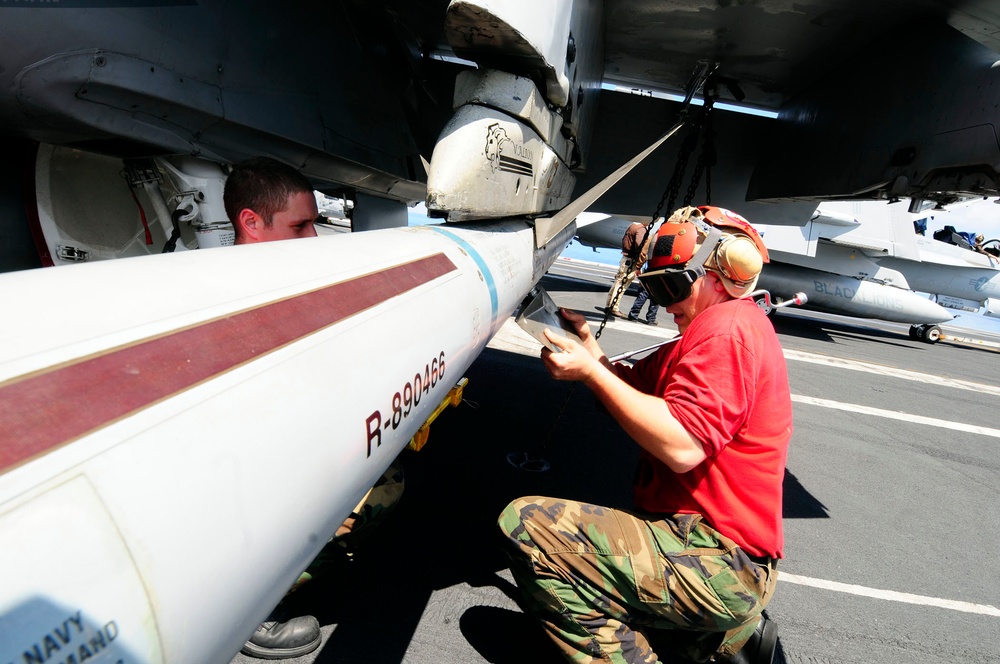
point(670, 286)
point(666, 287)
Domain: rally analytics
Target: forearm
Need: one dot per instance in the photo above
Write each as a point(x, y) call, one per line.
point(644, 417)
point(592, 347)
point(647, 419)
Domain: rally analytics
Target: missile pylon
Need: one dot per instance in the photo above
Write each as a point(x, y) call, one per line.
point(180, 434)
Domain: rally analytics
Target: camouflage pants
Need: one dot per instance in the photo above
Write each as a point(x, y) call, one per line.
point(623, 279)
point(601, 580)
point(379, 500)
point(368, 513)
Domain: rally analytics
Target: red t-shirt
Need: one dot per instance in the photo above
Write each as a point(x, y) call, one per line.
point(726, 382)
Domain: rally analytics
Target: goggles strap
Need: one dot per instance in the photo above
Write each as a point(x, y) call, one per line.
point(697, 262)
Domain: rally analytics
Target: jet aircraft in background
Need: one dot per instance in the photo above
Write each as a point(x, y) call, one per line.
point(866, 266)
point(120, 380)
point(860, 257)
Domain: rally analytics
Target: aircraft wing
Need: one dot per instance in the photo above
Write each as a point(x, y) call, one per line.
point(872, 100)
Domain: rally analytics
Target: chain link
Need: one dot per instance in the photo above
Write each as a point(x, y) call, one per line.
point(704, 163)
point(559, 413)
point(707, 156)
point(708, 149)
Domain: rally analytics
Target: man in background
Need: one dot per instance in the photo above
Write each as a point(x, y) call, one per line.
point(636, 309)
point(265, 201)
point(627, 269)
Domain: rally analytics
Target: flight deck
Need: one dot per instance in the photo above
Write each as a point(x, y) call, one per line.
point(890, 500)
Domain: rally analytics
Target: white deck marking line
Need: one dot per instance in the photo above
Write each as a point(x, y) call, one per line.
point(895, 415)
point(904, 374)
point(890, 595)
point(512, 338)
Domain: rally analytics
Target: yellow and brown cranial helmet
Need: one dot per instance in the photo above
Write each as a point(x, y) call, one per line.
point(695, 239)
point(740, 255)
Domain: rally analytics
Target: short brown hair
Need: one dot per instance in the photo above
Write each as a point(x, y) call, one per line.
point(263, 185)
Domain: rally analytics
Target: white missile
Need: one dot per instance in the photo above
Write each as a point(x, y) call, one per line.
point(850, 297)
point(182, 433)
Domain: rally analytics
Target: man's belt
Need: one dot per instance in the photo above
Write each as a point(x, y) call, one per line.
point(766, 561)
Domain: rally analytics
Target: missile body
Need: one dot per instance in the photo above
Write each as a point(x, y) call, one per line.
point(182, 433)
point(848, 296)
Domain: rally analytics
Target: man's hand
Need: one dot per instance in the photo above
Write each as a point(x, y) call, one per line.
point(577, 322)
point(573, 362)
point(576, 361)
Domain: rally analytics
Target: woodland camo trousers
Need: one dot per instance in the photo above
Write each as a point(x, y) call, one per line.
point(603, 580)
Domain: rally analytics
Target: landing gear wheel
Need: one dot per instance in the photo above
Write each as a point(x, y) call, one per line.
point(916, 332)
point(931, 334)
point(761, 303)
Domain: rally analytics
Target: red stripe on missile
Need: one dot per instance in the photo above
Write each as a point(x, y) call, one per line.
point(42, 411)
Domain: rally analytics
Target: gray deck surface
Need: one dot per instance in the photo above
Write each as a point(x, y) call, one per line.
point(898, 505)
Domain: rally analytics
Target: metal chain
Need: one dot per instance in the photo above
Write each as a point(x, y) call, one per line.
point(708, 150)
point(669, 196)
point(708, 180)
point(707, 156)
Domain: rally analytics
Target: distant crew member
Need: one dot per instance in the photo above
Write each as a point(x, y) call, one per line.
point(980, 239)
point(643, 296)
point(696, 562)
point(267, 200)
point(631, 247)
point(949, 235)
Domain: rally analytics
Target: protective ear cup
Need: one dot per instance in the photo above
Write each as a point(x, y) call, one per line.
point(738, 259)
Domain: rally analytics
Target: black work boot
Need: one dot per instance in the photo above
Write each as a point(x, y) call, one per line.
point(283, 640)
point(761, 646)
